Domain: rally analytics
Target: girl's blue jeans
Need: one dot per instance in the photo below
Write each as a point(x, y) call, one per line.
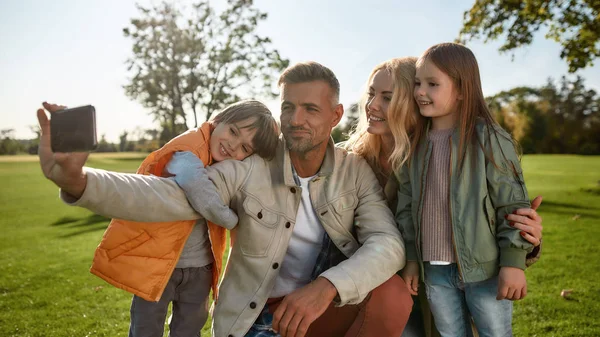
point(452, 301)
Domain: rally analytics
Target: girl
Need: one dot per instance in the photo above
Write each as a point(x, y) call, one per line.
point(386, 122)
point(462, 181)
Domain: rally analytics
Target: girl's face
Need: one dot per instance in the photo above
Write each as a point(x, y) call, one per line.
point(379, 98)
point(436, 95)
point(232, 141)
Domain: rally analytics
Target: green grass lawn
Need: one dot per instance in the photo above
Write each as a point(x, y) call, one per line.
point(46, 249)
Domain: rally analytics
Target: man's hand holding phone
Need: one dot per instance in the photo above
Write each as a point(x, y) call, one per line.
point(64, 169)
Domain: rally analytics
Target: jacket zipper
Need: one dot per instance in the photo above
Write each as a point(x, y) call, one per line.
point(418, 239)
point(460, 274)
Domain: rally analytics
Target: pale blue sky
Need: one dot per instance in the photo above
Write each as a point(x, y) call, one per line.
point(73, 52)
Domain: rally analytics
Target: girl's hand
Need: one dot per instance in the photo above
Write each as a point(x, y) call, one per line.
point(512, 284)
point(410, 274)
point(529, 222)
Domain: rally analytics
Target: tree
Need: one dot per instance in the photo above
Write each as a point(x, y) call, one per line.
point(34, 143)
point(105, 146)
point(200, 62)
point(341, 132)
point(8, 145)
point(124, 143)
point(575, 24)
point(556, 118)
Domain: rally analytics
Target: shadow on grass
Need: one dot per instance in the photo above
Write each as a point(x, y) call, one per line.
point(573, 215)
point(91, 223)
point(84, 231)
point(548, 205)
point(64, 220)
point(129, 159)
point(594, 191)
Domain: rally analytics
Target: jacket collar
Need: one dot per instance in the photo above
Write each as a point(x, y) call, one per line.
point(206, 129)
point(283, 154)
point(455, 133)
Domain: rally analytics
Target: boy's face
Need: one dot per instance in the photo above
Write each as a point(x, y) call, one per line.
point(232, 141)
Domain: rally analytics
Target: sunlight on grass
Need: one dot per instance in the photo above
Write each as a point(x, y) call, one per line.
point(47, 248)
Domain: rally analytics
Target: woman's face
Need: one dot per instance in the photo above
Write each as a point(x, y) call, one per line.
point(379, 98)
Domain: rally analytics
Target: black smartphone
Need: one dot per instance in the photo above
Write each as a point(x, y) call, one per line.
point(73, 130)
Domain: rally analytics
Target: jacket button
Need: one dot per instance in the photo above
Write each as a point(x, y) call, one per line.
point(293, 189)
point(288, 224)
point(230, 336)
point(275, 265)
point(259, 215)
point(252, 305)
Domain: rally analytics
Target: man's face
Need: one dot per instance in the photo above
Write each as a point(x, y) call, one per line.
point(308, 115)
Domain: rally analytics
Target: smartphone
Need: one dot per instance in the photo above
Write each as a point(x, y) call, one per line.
point(73, 130)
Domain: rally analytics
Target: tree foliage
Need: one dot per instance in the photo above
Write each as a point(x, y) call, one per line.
point(198, 62)
point(561, 117)
point(342, 131)
point(575, 24)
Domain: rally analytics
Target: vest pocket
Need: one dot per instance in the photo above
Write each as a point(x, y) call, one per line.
point(128, 245)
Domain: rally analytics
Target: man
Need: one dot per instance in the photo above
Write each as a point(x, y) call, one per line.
point(314, 227)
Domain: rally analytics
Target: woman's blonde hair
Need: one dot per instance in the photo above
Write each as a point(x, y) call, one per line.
point(401, 116)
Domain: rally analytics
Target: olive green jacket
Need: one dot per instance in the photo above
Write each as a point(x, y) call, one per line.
point(481, 194)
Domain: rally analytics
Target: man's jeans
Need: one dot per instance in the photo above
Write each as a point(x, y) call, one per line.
point(452, 301)
point(188, 289)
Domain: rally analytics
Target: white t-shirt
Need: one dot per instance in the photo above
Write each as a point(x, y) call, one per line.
point(303, 249)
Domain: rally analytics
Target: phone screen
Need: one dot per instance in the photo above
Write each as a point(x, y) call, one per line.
point(73, 130)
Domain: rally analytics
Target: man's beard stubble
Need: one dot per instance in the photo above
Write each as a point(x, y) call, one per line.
point(300, 146)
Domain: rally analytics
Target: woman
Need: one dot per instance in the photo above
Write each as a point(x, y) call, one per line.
point(388, 114)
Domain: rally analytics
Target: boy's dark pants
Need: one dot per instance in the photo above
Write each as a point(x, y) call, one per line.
point(188, 289)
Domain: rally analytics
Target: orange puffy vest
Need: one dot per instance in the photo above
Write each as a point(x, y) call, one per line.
point(140, 257)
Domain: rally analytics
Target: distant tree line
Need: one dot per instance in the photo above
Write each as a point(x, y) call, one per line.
point(137, 140)
point(562, 116)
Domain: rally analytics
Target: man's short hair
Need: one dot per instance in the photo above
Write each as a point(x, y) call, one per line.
point(308, 72)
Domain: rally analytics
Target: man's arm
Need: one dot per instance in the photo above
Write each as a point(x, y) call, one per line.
point(149, 198)
point(118, 195)
point(381, 253)
point(132, 197)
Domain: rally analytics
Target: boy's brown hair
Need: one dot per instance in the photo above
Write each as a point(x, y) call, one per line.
point(267, 130)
